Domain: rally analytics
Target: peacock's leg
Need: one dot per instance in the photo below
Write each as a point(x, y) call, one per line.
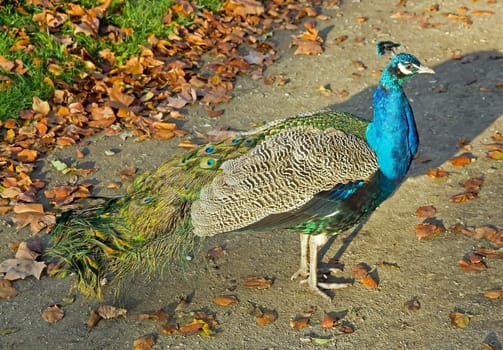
point(303, 270)
point(313, 243)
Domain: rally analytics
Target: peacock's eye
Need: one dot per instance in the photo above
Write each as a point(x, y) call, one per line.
point(210, 162)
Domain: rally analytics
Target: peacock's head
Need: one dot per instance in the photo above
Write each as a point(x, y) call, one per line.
point(409, 65)
point(402, 65)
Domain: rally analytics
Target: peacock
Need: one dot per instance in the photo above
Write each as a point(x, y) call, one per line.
point(317, 174)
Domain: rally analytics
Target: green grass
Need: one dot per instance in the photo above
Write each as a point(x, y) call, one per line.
point(145, 17)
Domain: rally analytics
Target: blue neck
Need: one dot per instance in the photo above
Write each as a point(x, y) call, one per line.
point(392, 134)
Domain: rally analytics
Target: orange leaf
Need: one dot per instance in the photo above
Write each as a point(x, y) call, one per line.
point(29, 208)
point(482, 13)
point(258, 282)
point(27, 156)
point(369, 281)
point(116, 95)
point(360, 269)
point(427, 229)
point(462, 160)
point(463, 197)
point(144, 343)
point(437, 173)
point(267, 317)
point(494, 294)
point(164, 126)
point(329, 321)
point(299, 323)
point(225, 300)
point(188, 144)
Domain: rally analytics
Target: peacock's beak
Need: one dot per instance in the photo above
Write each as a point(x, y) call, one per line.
point(425, 70)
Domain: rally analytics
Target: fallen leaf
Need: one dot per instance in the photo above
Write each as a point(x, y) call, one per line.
point(7, 291)
point(196, 327)
point(53, 314)
point(159, 315)
point(496, 155)
point(490, 253)
point(329, 321)
point(360, 270)
point(494, 294)
point(7, 331)
point(426, 211)
point(267, 317)
point(258, 282)
point(216, 252)
point(463, 197)
point(93, 319)
point(299, 323)
point(23, 265)
point(412, 305)
point(369, 281)
point(108, 312)
point(459, 319)
point(473, 184)
point(437, 173)
point(428, 229)
point(482, 13)
point(170, 329)
point(462, 160)
point(225, 300)
point(144, 343)
point(468, 266)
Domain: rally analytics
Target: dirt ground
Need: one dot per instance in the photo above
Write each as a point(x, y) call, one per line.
point(461, 100)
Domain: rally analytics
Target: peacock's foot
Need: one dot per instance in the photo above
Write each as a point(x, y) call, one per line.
point(302, 272)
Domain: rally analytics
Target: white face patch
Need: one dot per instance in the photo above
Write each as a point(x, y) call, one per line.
point(406, 69)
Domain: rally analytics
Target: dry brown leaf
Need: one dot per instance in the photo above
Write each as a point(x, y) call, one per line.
point(40, 106)
point(490, 253)
point(258, 282)
point(27, 156)
point(482, 13)
point(462, 160)
point(159, 315)
point(225, 300)
point(93, 319)
point(468, 266)
point(188, 144)
point(144, 343)
point(216, 252)
point(53, 314)
point(494, 294)
point(108, 312)
point(170, 329)
point(7, 291)
point(463, 197)
point(267, 317)
point(412, 305)
point(426, 211)
point(299, 323)
point(329, 321)
point(369, 281)
point(360, 270)
point(428, 229)
point(437, 173)
point(23, 265)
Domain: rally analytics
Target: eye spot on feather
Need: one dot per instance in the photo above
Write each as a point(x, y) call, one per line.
point(146, 200)
point(209, 149)
point(235, 141)
point(250, 142)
